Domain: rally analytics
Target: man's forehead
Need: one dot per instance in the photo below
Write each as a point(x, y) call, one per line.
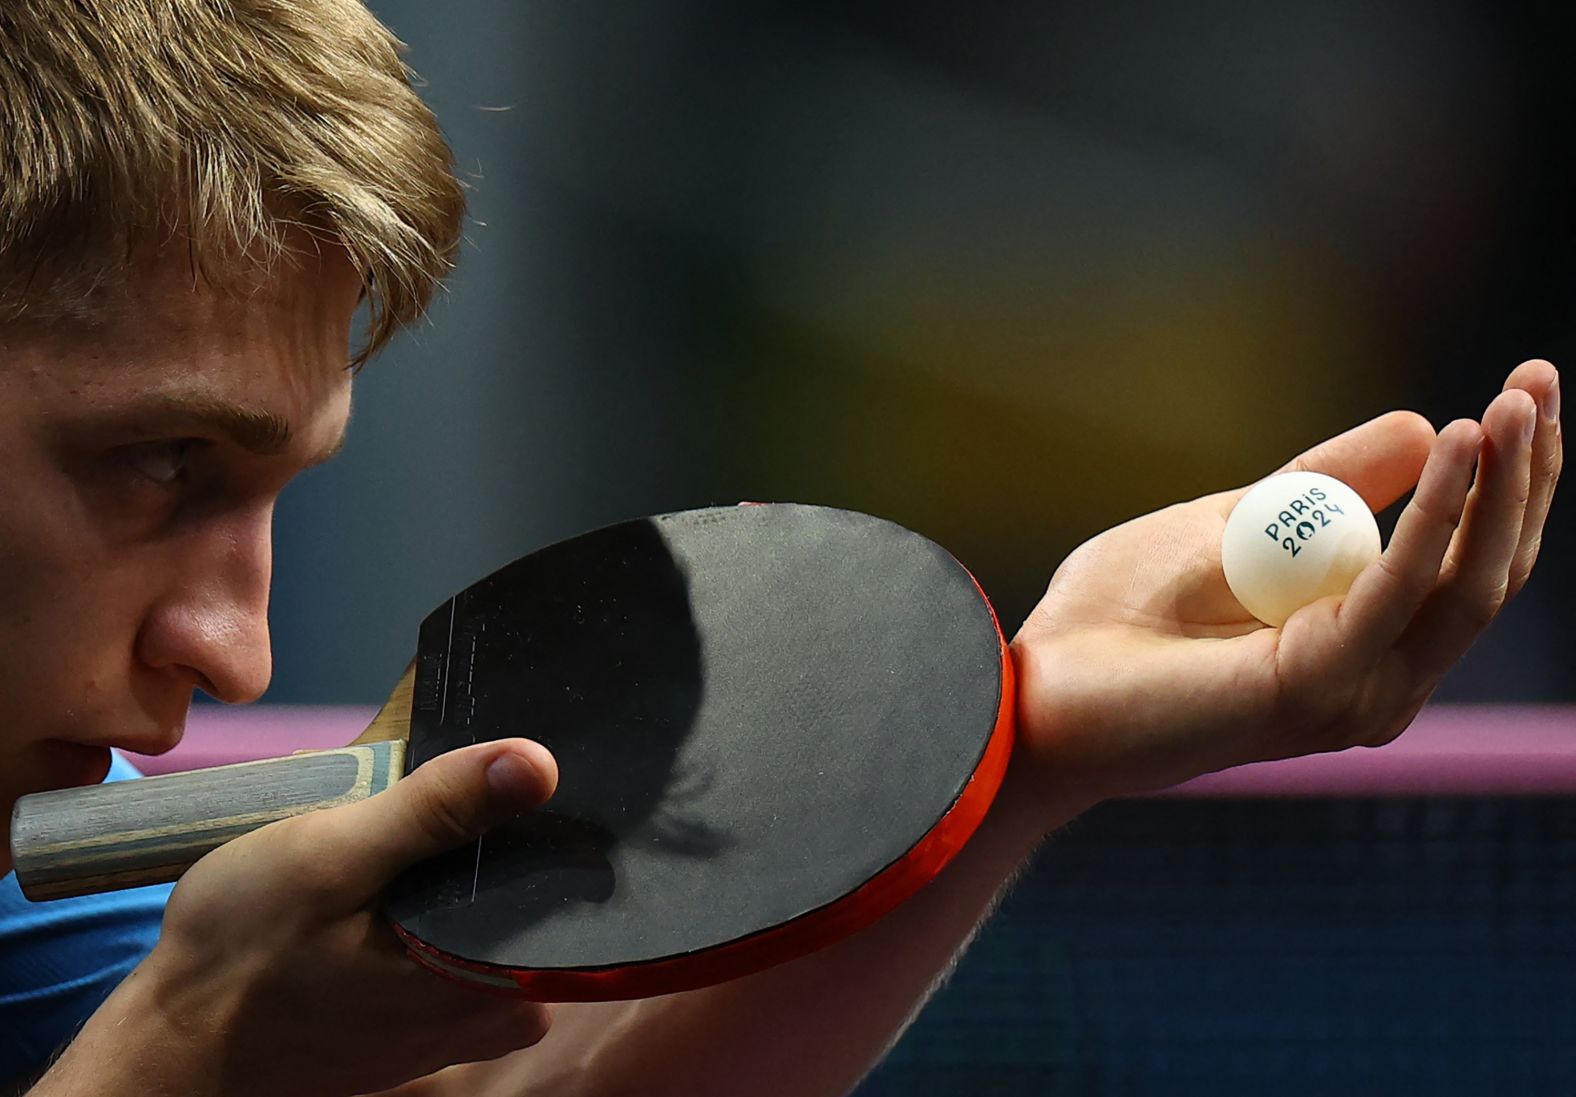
point(268, 368)
point(175, 286)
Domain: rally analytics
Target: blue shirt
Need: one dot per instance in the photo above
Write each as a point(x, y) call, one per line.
point(59, 960)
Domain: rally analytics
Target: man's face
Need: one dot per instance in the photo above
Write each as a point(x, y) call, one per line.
point(140, 459)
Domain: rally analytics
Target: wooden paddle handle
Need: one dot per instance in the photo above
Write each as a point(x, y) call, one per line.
point(128, 833)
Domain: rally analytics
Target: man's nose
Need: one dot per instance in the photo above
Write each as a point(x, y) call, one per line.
point(212, 621)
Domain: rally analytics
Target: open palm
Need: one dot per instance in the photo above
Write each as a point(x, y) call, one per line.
point(1140, 669)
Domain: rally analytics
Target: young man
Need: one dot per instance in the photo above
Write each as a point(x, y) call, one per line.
point(194, 196)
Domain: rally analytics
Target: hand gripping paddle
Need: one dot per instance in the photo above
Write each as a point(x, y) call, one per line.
point(772, 723)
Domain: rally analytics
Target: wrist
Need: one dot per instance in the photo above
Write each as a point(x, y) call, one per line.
point(138, 1043)
point(1032, 804)
point(1080, 741)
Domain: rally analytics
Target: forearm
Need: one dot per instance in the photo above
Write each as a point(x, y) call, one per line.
point(808, 1028)
point(129, 1048)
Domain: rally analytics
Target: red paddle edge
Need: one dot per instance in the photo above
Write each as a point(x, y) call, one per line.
point(810, 931)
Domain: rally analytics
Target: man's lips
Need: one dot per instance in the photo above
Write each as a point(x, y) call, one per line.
point(150, 740)
point(70, 763)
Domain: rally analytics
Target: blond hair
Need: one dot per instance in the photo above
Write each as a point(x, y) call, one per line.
point(220, 126)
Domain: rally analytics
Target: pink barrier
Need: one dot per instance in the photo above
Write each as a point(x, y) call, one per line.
point(1450, 750)
point(217, 735)
point(1466, 750)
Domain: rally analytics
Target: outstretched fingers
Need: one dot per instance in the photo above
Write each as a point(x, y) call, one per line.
point(1475, 578)
point(1388, 594)
point(1540, 381)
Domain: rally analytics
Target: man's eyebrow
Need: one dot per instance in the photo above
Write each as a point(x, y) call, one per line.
point(253, 429)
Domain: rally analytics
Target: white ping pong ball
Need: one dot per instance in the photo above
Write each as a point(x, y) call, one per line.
point(1293, 539)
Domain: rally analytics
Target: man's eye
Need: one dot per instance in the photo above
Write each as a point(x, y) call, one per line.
point(161, 462)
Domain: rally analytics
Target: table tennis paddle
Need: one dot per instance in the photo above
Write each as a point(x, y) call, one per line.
point(773, 723)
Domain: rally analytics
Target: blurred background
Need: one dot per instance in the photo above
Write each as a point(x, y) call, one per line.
point(1010, 273)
